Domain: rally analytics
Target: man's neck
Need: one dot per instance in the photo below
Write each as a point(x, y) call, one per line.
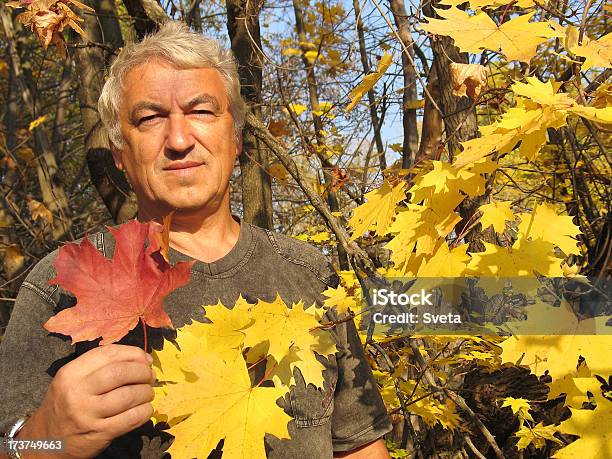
point(211, 240)
point(207, 238)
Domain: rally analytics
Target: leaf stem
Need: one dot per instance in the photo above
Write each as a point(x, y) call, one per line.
point(267, 374)
point(144, 332)
point(258, 362)
point(501, 21)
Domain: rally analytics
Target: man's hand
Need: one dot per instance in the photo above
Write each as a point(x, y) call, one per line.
point(97, 397)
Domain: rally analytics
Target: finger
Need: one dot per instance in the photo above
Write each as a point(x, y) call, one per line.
point(130, 419)
point(103, 355)
point(119, 374)
point(122, 399)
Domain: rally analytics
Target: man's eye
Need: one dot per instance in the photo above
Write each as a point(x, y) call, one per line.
point(202, 112)
point(148, 119)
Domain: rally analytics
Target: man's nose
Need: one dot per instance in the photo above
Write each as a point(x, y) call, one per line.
point(179, 137)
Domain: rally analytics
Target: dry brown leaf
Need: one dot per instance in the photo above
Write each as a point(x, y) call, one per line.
point(4, 68)
point(279, 173)
point(6, 219)
point(13, 260)
point(468, 79)
point(38, 210)
point(161, 233)
point(8, 162)
point(279, 128)
point(339, 178)
point(48, 19)
point(25, 153)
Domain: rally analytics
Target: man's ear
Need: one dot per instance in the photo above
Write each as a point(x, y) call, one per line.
point(117, 157)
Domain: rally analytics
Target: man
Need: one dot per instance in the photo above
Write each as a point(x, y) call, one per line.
point(174, 114)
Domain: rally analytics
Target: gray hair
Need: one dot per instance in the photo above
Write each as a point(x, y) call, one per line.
point(175, 44)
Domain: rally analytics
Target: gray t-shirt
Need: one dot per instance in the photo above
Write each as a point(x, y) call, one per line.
point(347, 413)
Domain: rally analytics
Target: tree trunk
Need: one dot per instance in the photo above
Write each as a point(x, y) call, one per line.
point(459, 115)
point(430, 146)
point(313, 93)
point(194, 19)
point(102, 28)
point(409, 98)
point(243, 29)
point(63, 95)
point(460, 123)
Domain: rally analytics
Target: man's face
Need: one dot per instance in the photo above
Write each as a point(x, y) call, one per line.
point(179, 145)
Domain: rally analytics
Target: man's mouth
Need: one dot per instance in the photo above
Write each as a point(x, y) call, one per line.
point(182, 165)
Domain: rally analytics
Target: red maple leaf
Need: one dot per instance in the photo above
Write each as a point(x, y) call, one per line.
point(113, 295)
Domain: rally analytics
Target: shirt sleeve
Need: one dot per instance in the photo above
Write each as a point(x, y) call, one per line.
point(359, 415)
point(28, 353)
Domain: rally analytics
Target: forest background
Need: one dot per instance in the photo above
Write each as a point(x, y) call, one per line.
point(475, 142)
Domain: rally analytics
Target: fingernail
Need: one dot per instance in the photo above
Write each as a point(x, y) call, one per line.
point(150, 358)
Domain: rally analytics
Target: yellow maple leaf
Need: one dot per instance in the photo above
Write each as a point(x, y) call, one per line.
point(225, 332)
point(546, 94)
point(538, 223)
point(378, 210)
point(543, 92)
point(519, 406)
point(291, 52)
point(539, 106)
point(423, 225)
point(324, 109)
point(428, 408)
point(311, 56)
point(446, 262)
point(298, 109)
point(597, 53)
point(279, 329)
point(522, 259)
point(536, 435)
point(338, 298)
point(448, 178)
point(496, 213)
point(526, 123)
point(480, 147)
point(407, 231)
point(558, 354)
point(575, 386)
point(593, 427)
point(369, 81)
point(321, 236)
point(219, 403)
point(37, 122)
point(517, 38)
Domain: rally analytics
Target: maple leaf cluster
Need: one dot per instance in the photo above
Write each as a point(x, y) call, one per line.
point(49, 18)
point(207, 393)
point(422, 226)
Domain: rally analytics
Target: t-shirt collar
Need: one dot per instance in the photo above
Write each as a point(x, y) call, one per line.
point(232, 259)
